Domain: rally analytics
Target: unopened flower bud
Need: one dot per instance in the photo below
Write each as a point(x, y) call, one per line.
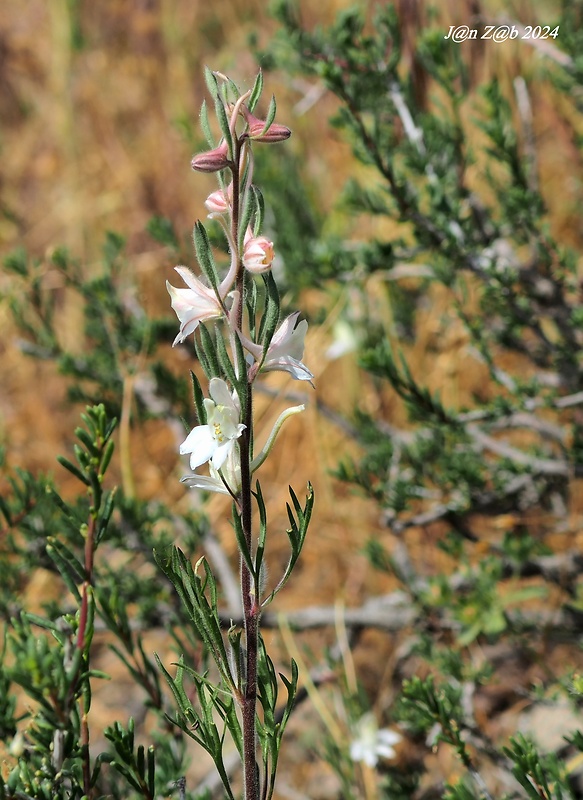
point(212, 160)
point(219, 202)
point(275, 132)
point(258, 254)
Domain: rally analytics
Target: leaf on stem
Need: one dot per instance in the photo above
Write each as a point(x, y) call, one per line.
point(299, 521)
point(255, 91)
point(204, 254)
point(270, 317)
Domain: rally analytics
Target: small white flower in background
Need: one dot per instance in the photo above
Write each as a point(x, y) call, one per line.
point(192, 305)
point(372, 742)
point(286, 349)
point(215, 441)
point(344, 342)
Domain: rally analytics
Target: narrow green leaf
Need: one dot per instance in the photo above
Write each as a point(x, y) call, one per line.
point(270, 318)
point(223, 121)
point(198, 398)
point(5, 511)
point(251, 302)
point(41, 622)
point(211, 83)
point(210, 350)
point(151, 778)
point(69, 567)
point(202, 357)
point(205, 125)
point(296, 534)
point(223, 357)
point(141, 761)
point(260, 210)
point(64, 462)
point(270, 115)
point(261, 539)
point(105, 516)
point(256, 91)
point(204, 254)
point(86, 439)
point(247, 212)
point(106, 457)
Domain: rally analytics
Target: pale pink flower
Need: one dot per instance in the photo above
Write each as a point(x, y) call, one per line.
point(219, 202)
point(193, 305)
point(258, 253)
point(286, 349)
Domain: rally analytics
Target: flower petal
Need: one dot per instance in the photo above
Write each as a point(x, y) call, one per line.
point(200, 444)
point(221, 453)
point(296, 368)
point(220, 393)
point(205, 483)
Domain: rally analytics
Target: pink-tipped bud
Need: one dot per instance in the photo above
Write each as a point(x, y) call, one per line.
point(219, 202)
point(212, 160)
point(275, 132)
point(258, 254)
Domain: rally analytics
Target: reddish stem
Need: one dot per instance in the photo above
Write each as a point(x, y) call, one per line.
point(248, 590)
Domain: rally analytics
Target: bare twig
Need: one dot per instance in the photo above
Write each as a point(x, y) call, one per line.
point(525, 111)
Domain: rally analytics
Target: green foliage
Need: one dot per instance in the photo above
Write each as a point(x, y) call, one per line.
point(120, 341)
point(87, 543)
point(452, 168)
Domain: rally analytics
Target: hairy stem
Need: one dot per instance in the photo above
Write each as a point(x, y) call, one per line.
point(248, 589)
point(250, 618)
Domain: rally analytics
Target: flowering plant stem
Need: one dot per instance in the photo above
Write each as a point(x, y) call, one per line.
point(225, 438)
point(250, 616)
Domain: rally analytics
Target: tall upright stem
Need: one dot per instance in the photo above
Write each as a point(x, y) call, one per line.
point(248, 590)
point(251, 619)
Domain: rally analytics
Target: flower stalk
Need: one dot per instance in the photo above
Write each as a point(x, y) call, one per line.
point(224, 436)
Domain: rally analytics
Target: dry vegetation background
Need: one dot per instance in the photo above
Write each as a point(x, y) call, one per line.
point(96, 103)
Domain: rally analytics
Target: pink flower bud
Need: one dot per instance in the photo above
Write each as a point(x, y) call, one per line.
point(257, 254)
point(219, 202)
point(275, 132)
point(212, 160)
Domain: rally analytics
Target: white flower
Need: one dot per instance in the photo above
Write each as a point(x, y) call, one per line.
point(285, 350)
point(372, 743)
point(344, 342)
point(214, 441)
point(192, 305)
point(228, 480)
point(229, 477)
